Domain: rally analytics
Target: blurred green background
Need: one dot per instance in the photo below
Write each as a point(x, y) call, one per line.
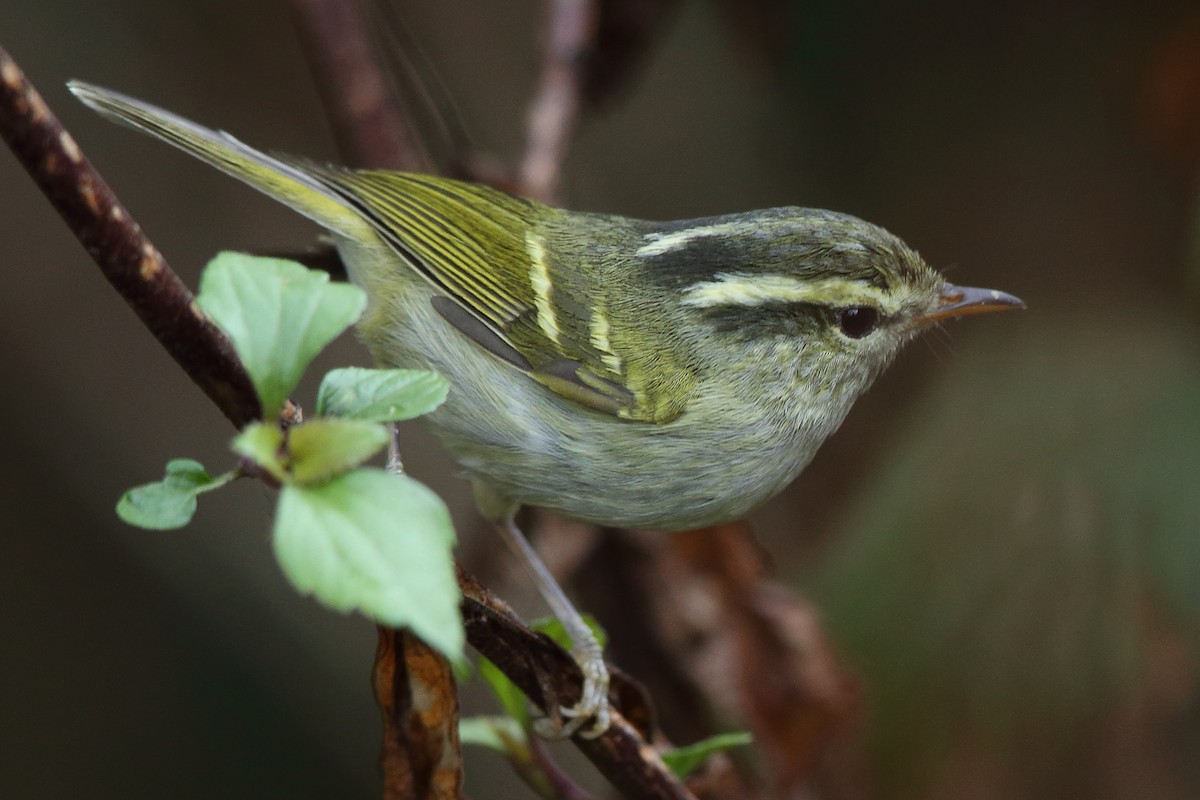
point(1004, 538)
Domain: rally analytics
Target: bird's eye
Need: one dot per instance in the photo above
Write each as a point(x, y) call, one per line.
point(857, 321)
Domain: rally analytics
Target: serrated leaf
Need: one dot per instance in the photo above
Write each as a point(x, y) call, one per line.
point(502, 734)
point(262, 443)
point(278, 314)
point(171, 502)
point(376, 543)
point(683, 760)
point(380, 395)
point(322, 448)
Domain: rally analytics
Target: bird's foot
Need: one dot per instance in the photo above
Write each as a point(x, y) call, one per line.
point(593, 700)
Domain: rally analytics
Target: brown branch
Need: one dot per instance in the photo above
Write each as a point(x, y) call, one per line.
point(778, 670)
point(749, 650)
point(369, 128)
point(540, 668)
point(556, 106)
point(130, 262)
point(141, 276)
point(550, 678)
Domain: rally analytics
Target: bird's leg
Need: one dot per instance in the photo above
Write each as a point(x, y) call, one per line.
point(585, 649)
point(394, 464)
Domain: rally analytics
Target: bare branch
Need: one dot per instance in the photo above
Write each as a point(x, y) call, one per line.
point(550, 678)
point(555, 108)
point(370, 129)
point(130, 262)
point(561, 784)
point(719, 638)
point(140, 275)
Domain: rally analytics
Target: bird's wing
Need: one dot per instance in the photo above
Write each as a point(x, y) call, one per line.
point(500, 286)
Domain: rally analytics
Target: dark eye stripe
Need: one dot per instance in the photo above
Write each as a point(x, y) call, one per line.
point(767, 319)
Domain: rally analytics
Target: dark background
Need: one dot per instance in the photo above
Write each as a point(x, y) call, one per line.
point(1004, 539)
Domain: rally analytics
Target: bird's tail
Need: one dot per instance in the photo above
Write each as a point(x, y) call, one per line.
point(288, 183)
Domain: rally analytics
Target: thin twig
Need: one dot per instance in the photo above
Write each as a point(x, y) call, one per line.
point(130, 262)
point(561, 784)
point(417, 762)
point(555, 108)
point(539, 667)
point(138, 272)
point(369, 127)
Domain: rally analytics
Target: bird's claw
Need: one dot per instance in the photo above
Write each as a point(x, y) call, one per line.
point(592, 705)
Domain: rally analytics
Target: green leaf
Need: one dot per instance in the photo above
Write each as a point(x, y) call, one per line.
point(553, 627)
point(377, 543)
point(463, 670)
point(511, 700)
point(157, 506)
point(278, 314)
point(324, 448)
point(315, 451)
point(683, 760)
point(171, 502)
point(262, 443)
point(503, 734)
point(380, 395)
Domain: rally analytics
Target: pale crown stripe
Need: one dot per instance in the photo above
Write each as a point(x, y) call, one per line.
point(659, 243)
point(731, 289)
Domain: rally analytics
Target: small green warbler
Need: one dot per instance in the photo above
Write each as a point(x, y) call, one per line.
point(663, 375)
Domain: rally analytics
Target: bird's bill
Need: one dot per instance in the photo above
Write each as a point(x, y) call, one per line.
point(960, 301)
